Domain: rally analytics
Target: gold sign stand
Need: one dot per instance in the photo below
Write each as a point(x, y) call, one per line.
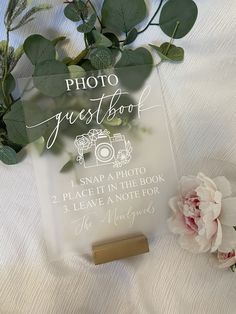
point(119, 248)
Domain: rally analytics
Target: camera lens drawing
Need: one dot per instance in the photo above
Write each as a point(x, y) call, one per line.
point(104, 152)
point(103, 149)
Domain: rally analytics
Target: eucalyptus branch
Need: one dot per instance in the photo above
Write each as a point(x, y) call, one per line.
point(95, 11)
point(80, 56)
point(149, 23)
point(153, 17)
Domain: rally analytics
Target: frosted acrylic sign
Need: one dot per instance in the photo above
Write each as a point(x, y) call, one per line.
point(107, 169)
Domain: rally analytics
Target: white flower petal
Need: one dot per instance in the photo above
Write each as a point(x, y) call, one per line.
point(189, 243)
point(173, 203)
point(223, 185)
point(188, 184)
point(176, 225)
point(207, 181)
point(212, 208)
point(217, 239)
point(205, 194)
point(218, 197)
point(228, 212)
point(210, 227)
point(204, 243)
point(228, 239)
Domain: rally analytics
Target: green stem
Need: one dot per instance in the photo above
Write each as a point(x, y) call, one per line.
point(85, 42)
point(80, 56)
point(172, 37)
point(5, 71)
point(153, 17)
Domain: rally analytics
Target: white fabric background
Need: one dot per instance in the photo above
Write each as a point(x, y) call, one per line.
point(200, 96)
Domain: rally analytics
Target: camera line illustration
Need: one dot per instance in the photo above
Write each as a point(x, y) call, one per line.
point(104, 149)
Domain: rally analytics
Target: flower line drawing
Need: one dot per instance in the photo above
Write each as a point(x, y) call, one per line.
point(103, 149)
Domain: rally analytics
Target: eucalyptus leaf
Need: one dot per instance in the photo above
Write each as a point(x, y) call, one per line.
point(18, 53)
point(3, 45)
point(3, 135)
point(8, 155)
point(9, 86)
point(76, 71)
point(233, 268)
point(90, 38)
point(113, 38)
point(131, 36)
point(15, 123)
point(169, 52)
point(68, 166)
point(17, 147)
point(48, 78)
point(183, 11)
point(58, 147)
point(116, 121)
point(19, 120)
point(115, 53)
point(39, 49)
point(140, 62)
point(101, 58)
point(122, 15)
point(76, 10)
point(40, 145)
point(101, 40)
point(115, 48)
point(86, 65)
point(139, 56)
point(86, 27)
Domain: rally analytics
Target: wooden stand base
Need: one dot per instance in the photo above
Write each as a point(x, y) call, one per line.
point(119, 248)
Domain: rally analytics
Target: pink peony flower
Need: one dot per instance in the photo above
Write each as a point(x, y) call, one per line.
point(226, 259)
point(226, 252)
point(204, 214)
